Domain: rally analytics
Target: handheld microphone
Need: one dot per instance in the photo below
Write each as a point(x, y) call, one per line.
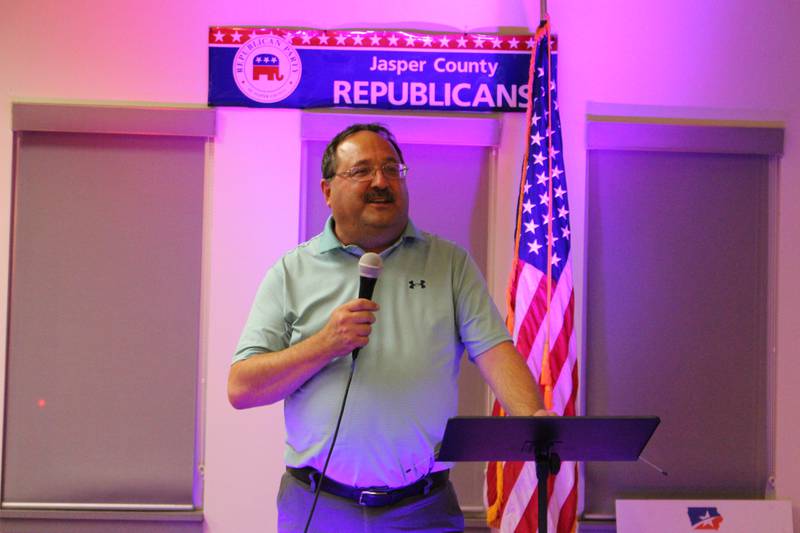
point(369, 268)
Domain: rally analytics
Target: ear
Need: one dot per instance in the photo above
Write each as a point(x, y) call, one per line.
point(326, 190)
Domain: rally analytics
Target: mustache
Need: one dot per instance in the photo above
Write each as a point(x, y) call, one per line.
point(382, 195)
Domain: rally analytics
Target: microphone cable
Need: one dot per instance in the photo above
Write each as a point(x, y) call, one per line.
point(370, 266)
point(333, 442)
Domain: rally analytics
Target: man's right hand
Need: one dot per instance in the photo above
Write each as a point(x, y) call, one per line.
point(348, 327)
point(270, 377)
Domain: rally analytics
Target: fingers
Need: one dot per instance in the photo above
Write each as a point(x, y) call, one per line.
point(360, 304)
point(349, 326)
point(358, 311)
point(362, 317)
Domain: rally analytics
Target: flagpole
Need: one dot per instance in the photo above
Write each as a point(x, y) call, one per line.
point(546, 376)
point(542, 9)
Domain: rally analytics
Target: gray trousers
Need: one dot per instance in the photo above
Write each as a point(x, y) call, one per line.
point(435, 512)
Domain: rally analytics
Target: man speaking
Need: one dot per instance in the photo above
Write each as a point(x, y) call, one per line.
point(430, 304)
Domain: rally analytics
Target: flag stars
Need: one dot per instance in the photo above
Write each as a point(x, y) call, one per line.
point(444, 42)
point(322, 38)
point(543, 228)
point(236, 36)
point(393, 40)
point(527, 207)
point(410, 40)
point(427, 40)
point(341, 39)
point(375, 40)
point(358, 39)
point(219, 36)
point(544, 199)
point(462, 42)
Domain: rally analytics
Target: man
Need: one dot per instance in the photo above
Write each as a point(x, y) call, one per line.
point(306, 321)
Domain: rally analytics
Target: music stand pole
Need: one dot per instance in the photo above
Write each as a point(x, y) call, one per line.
point(547, 463)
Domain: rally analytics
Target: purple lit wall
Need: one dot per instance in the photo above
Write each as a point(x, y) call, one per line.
point(737, 55)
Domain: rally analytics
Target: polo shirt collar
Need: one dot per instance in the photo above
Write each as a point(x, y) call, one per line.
point(328, 240)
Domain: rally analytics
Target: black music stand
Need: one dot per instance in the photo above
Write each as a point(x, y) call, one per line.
point(547, 441)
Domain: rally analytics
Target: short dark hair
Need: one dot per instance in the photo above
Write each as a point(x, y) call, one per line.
point(329, 157)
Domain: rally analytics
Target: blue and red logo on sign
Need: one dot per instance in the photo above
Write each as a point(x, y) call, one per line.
point(266, 68)
point(705, 518)
point(267, 65)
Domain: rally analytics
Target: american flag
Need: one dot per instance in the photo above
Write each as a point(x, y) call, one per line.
point(541, 304)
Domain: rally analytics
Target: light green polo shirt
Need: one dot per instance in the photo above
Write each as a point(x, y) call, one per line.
point(433, 305)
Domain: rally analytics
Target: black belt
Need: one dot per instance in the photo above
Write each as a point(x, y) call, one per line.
point(373, 496)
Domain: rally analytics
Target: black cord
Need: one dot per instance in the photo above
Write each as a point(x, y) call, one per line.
point(333, 441)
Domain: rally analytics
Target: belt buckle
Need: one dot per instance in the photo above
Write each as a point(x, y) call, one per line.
point(370, 494)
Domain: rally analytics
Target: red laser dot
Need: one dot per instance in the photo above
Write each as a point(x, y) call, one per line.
point(41, 403)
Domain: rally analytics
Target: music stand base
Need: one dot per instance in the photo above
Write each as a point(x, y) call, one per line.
point(547, 463)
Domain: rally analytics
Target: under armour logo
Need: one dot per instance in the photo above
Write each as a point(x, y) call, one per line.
point(413, 285)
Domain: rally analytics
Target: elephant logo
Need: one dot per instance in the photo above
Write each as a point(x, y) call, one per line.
point(267, 68)
point(267, 65)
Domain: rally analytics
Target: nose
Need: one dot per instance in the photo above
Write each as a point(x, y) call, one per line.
point(379, 180)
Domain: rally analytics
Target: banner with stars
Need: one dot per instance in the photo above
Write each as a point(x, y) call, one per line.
point(282, 67)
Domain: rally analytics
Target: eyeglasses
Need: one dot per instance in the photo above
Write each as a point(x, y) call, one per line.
point(390, 171)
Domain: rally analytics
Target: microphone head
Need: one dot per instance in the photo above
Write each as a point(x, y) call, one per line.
point(370, 265)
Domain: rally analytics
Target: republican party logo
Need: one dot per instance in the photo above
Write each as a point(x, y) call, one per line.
point(267, 68)
point(705, 518)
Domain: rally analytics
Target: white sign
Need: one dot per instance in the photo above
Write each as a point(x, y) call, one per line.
point(687, 516)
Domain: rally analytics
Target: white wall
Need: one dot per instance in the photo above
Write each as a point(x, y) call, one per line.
point(732, 54)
